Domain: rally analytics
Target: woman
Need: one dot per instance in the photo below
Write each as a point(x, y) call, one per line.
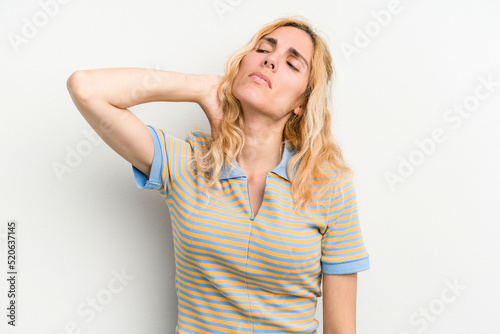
point(263, 212)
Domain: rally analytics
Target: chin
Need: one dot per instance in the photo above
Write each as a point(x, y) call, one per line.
point(253, 103)
point(249, 96)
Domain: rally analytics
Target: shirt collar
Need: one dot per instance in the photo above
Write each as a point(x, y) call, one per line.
point(231, 172)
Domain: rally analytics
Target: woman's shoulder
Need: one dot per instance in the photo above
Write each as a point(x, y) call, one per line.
point(334, 174)
point(196, 136)
point(198, 140)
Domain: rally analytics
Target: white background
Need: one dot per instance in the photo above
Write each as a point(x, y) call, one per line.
point(437, 226)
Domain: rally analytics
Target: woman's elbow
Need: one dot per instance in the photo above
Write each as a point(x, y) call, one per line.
point(77, 85)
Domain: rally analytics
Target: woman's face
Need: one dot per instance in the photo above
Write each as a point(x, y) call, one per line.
point(273, 77)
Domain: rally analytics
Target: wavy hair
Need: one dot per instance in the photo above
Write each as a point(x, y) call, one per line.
point(309, 134)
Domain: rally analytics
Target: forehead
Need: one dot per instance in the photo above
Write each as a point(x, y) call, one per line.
point(291, 37)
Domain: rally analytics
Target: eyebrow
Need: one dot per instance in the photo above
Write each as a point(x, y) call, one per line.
point(292, 50)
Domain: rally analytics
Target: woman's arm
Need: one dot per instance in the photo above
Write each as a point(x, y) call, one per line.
point(103, 96)
point(339, 304)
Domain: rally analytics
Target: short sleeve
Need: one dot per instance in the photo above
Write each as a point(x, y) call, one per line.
point(343, 248)
point(171, 158)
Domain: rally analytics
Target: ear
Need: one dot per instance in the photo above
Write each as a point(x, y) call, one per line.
point(299, 110)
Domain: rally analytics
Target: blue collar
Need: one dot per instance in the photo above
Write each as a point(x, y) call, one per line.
point(229, 172)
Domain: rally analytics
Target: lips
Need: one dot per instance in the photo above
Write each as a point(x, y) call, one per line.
point(262, 78)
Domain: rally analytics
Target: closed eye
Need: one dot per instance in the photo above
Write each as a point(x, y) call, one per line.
point(291, 65)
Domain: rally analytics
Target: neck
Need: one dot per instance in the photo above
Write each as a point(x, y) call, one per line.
point(263, 147)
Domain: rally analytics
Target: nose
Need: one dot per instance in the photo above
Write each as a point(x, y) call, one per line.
point(269, 63)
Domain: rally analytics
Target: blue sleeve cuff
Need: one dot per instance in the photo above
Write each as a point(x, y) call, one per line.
point(154, 181)
point(346, 267)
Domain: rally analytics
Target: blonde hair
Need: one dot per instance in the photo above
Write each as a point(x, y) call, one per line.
point(308, 134)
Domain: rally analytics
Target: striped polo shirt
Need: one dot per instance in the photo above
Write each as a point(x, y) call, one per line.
point(240, 272)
